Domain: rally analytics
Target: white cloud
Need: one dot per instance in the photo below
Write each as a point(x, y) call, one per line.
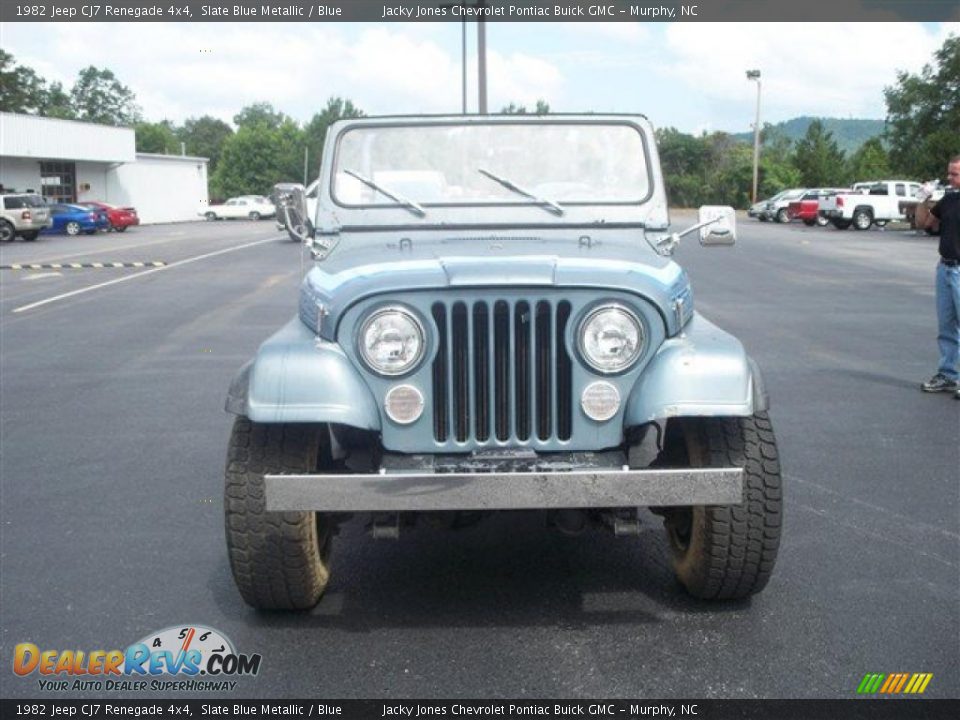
point(520, 78)
point(182, 70)
point(684, 74)
point(631, 32)
point(834, 69)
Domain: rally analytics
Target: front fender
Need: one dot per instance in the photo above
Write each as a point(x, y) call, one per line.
point(295, 377)
point(702, 372)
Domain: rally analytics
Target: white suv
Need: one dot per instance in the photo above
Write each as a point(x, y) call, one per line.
point(23, 214)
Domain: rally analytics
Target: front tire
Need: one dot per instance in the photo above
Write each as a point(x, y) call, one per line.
point(7, 232)
point(727, 552)
point(279, 559)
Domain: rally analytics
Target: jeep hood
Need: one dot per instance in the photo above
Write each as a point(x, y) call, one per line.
point(361, 266)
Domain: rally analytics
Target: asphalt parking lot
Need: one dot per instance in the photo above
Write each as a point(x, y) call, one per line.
point(113, 440)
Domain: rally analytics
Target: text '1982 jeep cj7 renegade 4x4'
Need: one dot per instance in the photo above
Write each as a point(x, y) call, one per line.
point(494, 322)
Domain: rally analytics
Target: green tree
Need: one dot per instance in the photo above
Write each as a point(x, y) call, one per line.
point(158, 137)
point(819, 158)
point(777, 171)
point(21, 89)
point(56, 103)
point(98, 97)
point(683, 161)
point(923, 114)
point(541, 108)
point(205, 137)
point(256, 157)
point(261, 113)
point(289, 141)
point(869, 162)
point(316, 130)
point(729, 171)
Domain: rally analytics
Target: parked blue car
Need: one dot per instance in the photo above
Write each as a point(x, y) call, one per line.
point(74, 219)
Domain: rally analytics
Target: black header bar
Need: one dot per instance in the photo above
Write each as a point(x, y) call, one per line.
point(643, 11)
point(173, 709)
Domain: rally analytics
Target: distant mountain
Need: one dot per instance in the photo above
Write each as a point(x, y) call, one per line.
point(849, 133)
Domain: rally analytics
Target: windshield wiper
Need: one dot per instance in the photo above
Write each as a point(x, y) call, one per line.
point(509, 185)
point(410, 205)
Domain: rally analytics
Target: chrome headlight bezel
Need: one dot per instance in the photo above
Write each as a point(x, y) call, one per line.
point(592, 316)
point(365, 326)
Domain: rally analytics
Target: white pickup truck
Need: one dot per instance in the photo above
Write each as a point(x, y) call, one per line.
point(870, 203)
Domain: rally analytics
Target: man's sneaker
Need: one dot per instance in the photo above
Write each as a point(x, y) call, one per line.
point(940, 383)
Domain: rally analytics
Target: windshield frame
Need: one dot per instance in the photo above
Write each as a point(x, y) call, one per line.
point(512, 203)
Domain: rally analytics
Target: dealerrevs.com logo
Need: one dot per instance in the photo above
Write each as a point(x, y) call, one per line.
point(182, 657)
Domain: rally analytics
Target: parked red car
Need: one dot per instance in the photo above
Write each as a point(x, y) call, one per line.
point(120, 217)
point(807, 208)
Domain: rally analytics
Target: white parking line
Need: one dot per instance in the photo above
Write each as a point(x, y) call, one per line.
point(108, 249)
point(73, 293)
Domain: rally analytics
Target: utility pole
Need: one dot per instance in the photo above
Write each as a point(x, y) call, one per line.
point(482, 57)
point(755, 75)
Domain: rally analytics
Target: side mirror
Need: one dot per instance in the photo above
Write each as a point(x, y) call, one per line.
point(291, 202)
point(718, 225)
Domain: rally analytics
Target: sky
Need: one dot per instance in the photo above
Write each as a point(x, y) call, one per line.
point(690, 76)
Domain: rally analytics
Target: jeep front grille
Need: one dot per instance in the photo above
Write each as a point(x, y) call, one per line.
point(502, 373)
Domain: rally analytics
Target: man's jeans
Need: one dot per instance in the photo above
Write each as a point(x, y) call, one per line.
point(948, 319)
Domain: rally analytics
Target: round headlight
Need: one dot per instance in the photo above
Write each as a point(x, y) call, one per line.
point(391, 341)
point(611, 339)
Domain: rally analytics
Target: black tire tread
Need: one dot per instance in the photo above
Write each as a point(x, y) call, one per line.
point(279, 560)
point(738, 543)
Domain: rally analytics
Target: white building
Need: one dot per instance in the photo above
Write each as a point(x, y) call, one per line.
point(69, 161)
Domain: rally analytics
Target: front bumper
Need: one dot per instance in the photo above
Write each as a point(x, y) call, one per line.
point(405, 492)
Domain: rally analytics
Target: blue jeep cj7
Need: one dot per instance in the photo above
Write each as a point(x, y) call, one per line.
point(494, 322)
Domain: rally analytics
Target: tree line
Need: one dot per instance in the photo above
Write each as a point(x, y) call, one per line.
point(266, 146)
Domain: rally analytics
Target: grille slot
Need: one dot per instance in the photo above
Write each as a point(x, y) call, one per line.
point(502, 372)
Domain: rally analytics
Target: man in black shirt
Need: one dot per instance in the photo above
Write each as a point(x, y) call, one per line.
point(947, 211)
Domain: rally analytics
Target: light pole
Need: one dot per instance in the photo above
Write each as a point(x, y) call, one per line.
point(463, 63)
point(755, 75)
point(481, 5)
point(482, 57)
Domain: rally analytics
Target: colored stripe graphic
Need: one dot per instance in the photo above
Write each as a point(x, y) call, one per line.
point(77, 266)
point(894, 683)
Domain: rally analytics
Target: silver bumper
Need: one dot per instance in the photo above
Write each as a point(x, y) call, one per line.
point(402, 492)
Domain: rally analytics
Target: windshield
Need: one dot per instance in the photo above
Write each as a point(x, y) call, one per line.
point(15, 202)
point(498, 163)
